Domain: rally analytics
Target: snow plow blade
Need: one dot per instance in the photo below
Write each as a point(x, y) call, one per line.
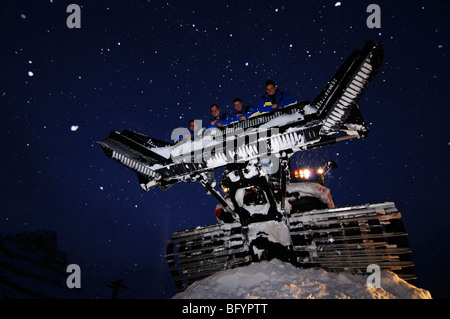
point(348, 238)
point(332, 117)
point(339, 97)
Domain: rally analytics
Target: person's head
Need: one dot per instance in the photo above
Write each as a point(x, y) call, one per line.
point(215, 110)
point(271, 87)
point(193, 125)
point(238, 104)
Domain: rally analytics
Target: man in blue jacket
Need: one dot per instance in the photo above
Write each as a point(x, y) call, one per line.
point(242, 112)
point(273, 98)
point(193, 129)
point(219, 119)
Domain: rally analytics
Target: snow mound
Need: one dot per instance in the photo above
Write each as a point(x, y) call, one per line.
point(279, 280)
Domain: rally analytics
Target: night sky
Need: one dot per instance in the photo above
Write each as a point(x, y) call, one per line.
point(150, 66)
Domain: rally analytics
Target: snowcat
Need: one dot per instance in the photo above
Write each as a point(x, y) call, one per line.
point(270, 212)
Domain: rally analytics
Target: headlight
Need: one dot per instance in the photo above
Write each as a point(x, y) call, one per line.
point(304, 173)
point(225, 189)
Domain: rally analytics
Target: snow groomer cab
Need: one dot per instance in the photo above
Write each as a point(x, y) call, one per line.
point(254, 193)
point(307, 189)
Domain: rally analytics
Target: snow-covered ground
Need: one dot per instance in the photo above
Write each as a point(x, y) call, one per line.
point(279, 280)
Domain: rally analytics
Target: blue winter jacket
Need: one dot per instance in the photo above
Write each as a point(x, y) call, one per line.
point(247, 111)
point(225, 119)
point(281, 98)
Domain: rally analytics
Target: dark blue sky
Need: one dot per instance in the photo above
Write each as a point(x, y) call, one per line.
point(150, 66)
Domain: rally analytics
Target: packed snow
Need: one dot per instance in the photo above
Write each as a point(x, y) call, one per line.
point(279, 280)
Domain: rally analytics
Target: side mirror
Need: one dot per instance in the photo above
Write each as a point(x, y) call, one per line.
point(327, 167)
point(331, 165)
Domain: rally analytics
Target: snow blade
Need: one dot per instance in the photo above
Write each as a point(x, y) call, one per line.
point(339, 239)
point(135, 151)
point(345, 88)
point(297, 127)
